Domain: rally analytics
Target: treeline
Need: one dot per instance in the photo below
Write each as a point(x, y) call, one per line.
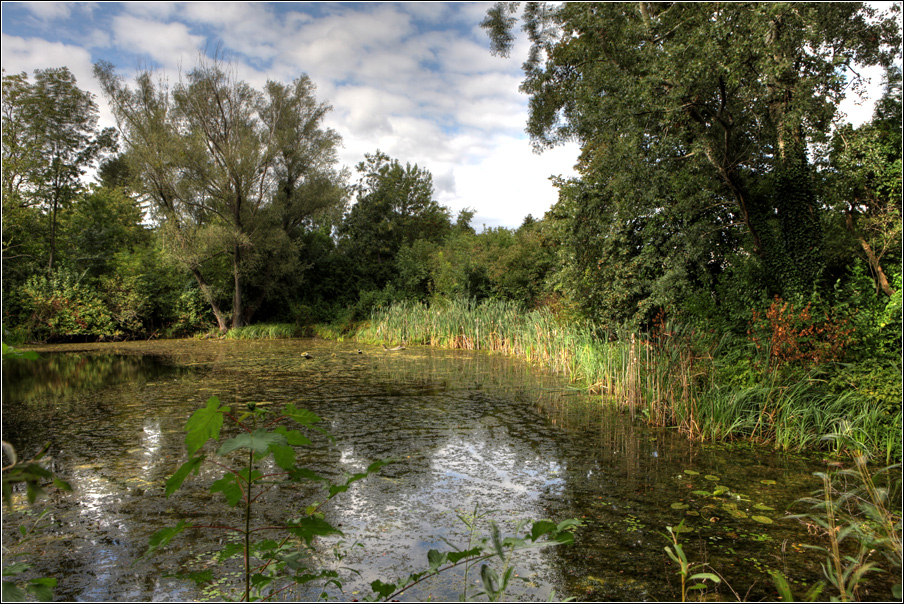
point(201, 218)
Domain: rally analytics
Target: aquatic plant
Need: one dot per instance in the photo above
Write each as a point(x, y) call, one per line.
point(859, 519)
point(685, 568)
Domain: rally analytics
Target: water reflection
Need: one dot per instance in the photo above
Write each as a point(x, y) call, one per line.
point(465, 429)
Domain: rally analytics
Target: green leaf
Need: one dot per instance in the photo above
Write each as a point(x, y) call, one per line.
point(435, 558)
point(490, 580)
point(12, 592)
point(162, 538)
point(540, 528)
point(293, 437)
point(300, 474)
point(384, 590)
point(15, 568)
point(311, 526)
point(175, 481)
point(705, 577)
point(204, 424)
point(458, 556)
point(284, 456)
point(229, 486)
point(335, 489)
point(302, 416)
point(229, 550)
point(42, 589)
point(259, 442)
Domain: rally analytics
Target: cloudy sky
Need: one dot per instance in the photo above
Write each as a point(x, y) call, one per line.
point(415, 80)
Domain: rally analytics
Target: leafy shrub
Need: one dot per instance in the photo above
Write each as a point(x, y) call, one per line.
point(62, 306)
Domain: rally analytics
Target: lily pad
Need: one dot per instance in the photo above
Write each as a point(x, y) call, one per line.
point(691, 473)
point(762, 519)
point(763, 507)
point(729, 506)
point(720, 491)
point(768, 482)
point(682, 529)
point(738, 514)
point(692, 513)
point(712, 477)
point(679, 506)
point(701, 493)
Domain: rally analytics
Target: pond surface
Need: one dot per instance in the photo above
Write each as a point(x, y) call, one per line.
point(466, 429)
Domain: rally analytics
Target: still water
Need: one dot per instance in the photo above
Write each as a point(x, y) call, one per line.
point(464, 429)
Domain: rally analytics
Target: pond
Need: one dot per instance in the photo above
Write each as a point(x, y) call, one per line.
point(465, 430)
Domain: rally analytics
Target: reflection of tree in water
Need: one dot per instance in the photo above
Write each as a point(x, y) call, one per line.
point(63, 375)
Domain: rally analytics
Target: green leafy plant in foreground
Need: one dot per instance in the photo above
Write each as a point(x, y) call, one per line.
point(270, 566)
point(860, 521)
point(685, 568)
point(273, 566)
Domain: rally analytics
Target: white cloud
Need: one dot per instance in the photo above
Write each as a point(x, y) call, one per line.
point(49, 11)
point(170, 44)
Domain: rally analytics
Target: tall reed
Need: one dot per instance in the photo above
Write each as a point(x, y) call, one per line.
point(671, 375)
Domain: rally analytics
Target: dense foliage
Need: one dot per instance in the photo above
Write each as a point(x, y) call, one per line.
point(719, 190)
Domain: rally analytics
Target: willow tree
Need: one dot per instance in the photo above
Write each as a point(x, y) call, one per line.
point(230, 170)
point(731, 93)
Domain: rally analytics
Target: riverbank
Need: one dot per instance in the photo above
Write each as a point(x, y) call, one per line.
point(708, 387)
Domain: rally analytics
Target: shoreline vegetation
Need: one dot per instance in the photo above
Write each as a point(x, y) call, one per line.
point(708, 387)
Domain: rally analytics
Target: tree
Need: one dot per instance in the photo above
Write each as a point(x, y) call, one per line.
point(228, 169)
point(728, 93)
point(863, 181)
point(394, 208)
point(50, 139)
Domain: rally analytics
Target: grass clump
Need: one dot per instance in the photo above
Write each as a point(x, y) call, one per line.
point(263, 331)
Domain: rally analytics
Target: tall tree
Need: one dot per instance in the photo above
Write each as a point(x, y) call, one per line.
point(50, 139)
point(223, 162)
point(394, 208)
point(730, 91)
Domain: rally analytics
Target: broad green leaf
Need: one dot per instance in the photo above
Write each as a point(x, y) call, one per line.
point(228, 485)
point(299, 474)
point(229, 550)
point(302, 416)
point(384, 590)
point(540, 528)
point(42, 589)
point(204, 424)
point(458, 556)
point(13, 593)
point(15, 568)
point(175, 481)
point(284, 456)
point(435, 558)
point(162, 538)
point(335, 489)
point(311, 526)
point(293, 437)
point(259, 442)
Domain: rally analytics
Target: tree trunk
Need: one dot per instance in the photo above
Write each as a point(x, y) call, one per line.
point(208, 295)
point(237, 319)
point(881, 279)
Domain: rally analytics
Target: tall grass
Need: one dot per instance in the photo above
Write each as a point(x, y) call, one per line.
point(263, 331)
point(671, 376)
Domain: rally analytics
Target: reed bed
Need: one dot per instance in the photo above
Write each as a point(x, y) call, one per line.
point(670, 376)
point(263, 331)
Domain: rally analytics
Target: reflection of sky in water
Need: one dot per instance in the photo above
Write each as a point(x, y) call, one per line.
point(462, 429)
